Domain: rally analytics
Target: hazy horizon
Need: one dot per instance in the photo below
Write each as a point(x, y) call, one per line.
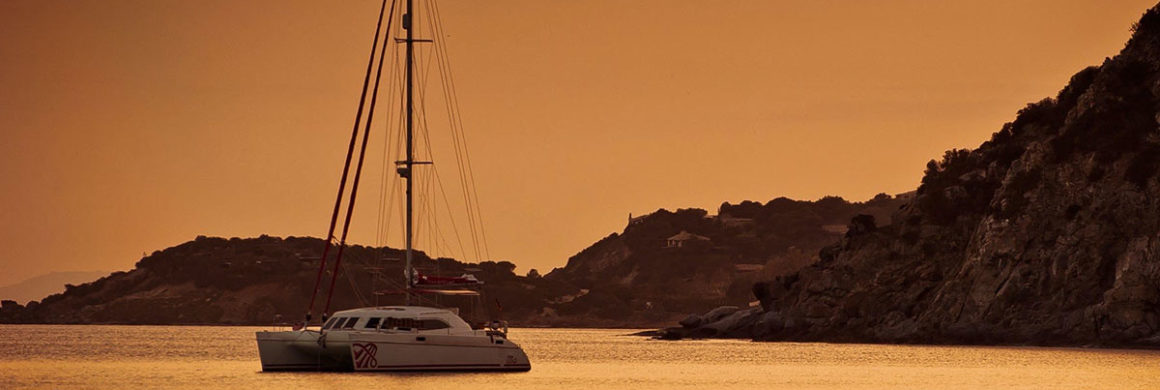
point(133, 126)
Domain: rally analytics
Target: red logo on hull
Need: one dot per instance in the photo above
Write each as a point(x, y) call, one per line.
point(364, 355)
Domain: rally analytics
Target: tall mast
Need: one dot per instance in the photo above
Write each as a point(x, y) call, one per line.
point(409, 163)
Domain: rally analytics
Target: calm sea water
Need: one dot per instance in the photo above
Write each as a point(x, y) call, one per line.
point(131, 357)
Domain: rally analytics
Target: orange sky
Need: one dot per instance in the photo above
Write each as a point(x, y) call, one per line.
point(130, 126)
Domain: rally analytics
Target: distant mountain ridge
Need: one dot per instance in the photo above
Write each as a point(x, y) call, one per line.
point(634, 278)
point(254, 281)
point(41, 286)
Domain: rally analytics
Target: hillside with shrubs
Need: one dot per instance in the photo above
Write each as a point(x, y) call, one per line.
point(629, 279)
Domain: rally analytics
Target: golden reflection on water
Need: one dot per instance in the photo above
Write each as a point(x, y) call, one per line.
point(64, 357)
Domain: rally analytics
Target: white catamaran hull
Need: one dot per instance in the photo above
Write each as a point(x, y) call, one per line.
point(304, 351)
point(411, 352)
point(377, 351)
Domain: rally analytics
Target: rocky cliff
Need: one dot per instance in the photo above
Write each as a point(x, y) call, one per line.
point(1048, 233)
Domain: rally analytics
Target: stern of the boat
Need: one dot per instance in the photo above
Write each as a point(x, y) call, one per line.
point(303, 351)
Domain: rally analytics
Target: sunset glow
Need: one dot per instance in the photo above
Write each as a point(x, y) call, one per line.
point(131, 126)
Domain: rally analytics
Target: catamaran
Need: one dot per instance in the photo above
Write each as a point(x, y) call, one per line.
point(390, 338)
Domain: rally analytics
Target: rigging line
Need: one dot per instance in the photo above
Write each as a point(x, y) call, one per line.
point(459, 119)
point(346, 165)
point(420, 111)
point(383, 173)
point(474, 215)
point(455, 138)
point(443, 191)
point(358, 168)
point(398, 150)
point(388, 200)
point(420, 214)
point(354, 287)
point(433, 230)
point(428, 215)
point(450, 216)
point(406, 188)
point(398, 181)
point(382, 195)
point(425, 214)
point(432, 217)
point(385, 197)
point(441, 187)
point(427, 186)
point(396, 82)
point(462, 138)
point(388, 211)
point(435, 173)
point(437, 238)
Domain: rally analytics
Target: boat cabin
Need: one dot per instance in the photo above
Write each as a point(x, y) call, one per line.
point(398, 319)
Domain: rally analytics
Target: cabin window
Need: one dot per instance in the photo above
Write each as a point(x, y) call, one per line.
point(373, 323)
point(406, 324)
point(433, 324)
point(330, 323)
point(400, 323)
point(336, 322)
point(350, 323)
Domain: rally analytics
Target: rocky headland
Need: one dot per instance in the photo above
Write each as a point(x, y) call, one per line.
point(1046, 234)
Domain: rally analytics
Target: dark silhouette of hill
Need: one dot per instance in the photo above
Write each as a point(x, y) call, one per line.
point(248, 281)
point(41, 286)
point(639, 274)
point(267, 279)
point(1048, 233)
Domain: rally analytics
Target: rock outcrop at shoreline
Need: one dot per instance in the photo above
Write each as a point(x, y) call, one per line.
point(1047, 234)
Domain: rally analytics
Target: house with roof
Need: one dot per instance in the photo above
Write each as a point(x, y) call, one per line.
point(681, 239)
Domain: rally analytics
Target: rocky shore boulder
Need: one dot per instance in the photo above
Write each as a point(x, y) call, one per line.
point(723, 322)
